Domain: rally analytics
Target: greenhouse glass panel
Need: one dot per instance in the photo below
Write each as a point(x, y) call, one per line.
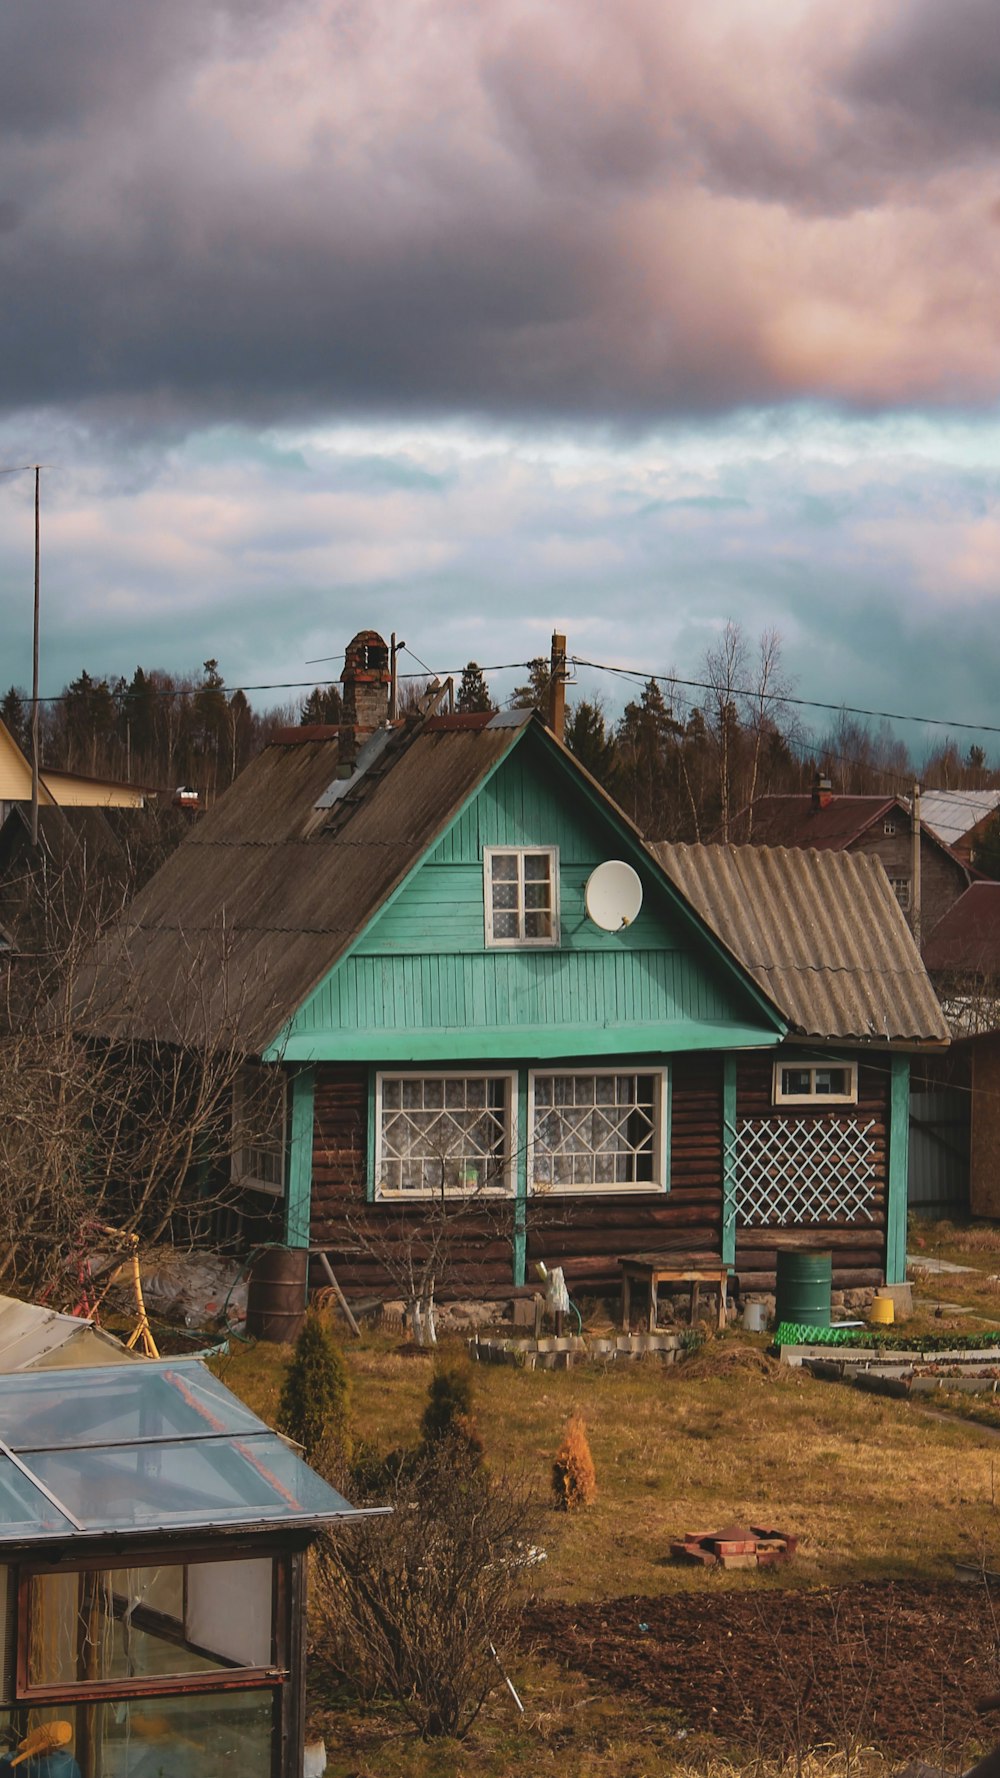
point(117, 1405)
point(214, 1736)
point(188, 1483)
point(24, 1510)
point(149, 1622)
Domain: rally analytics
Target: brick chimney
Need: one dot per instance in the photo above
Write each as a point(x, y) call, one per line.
point(822, 792)
point(365, 680)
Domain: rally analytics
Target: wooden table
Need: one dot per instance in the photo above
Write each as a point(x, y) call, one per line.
point(654, 1269)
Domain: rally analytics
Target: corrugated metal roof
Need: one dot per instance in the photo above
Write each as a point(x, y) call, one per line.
point(268, 890)
point(821, 932)
point(954, 813)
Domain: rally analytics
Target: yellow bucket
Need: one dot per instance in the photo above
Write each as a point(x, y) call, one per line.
point(883, 1311)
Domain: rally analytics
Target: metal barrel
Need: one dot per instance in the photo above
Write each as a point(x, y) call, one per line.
point(277, 1293)
point(804, 1283)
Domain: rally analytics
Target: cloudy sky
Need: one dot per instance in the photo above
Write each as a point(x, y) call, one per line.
point(470, 321)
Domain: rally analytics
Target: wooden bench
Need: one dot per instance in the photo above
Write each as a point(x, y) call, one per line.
point(654, 1269)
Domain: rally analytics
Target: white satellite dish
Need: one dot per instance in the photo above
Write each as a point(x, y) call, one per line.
point(613, 895)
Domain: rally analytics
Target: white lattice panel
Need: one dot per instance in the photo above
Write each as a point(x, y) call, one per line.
point(796, 1169)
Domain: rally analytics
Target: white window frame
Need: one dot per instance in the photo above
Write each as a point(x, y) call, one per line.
point(812, 1068)
point(901, 883)
point(520, 853)
point(661, 1160)
point(507, 1189)
point(240, 1170)
point(888, 826)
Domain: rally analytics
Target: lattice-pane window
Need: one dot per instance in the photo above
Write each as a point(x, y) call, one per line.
point(521, 889)
point(259, 1128)
point(815, 1083)
point(804, 1170)
point(900, 887)
point(450, 1133)
point(597, 1132)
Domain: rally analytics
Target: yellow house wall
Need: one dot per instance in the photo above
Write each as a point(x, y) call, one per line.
point(15, 772)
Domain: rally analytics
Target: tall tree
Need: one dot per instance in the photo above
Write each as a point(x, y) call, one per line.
point(88, 718)
point(725, 669)
point(588, 740)
point(323, 706)
point(473, 692)
point(534, 695)
point(14, 715)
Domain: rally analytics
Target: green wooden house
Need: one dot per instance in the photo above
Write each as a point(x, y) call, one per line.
point(444, 1046)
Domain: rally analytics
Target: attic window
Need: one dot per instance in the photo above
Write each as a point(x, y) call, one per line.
point(888, 826)
point(521, 893)
point(259, 1129)
point(816, 1083)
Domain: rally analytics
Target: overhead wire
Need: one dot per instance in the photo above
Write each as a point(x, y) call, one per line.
point(804, 747)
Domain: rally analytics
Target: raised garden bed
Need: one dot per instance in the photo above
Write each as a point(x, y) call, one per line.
point(561, 1352)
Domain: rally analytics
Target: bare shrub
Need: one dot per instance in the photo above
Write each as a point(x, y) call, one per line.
point(420, 1606)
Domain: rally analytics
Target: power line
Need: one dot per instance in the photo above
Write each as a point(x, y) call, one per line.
point(777, 697)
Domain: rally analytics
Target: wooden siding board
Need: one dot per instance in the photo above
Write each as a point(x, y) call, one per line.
point(423, 966)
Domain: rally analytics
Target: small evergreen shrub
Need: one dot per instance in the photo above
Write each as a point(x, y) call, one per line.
point(315, 1406)
point(449, 1411)
point(574, 1483)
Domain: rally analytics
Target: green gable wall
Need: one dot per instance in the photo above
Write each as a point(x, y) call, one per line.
point(421, 984)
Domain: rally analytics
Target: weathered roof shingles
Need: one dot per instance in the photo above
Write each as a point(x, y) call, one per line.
point(258, 903)
point(820, 932)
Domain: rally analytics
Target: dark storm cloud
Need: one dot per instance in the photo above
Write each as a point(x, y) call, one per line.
point(931, 75)
point(269, 207)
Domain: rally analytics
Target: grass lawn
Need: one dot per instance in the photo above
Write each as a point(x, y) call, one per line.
point(872, 1488)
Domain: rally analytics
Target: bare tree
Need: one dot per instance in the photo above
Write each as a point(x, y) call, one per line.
point(726, 670)
point(422, 1606)
point(97, 1128)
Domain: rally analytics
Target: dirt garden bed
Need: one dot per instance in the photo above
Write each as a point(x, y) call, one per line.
point(897, 1664)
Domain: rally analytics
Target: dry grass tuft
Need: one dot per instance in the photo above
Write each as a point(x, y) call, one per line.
point(748, 1362)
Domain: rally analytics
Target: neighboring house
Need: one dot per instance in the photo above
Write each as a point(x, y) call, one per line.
point(57, 788)
point(963, 959)
point(391, 922)
point(959, 817)
point(818, 1129)
point(878, 826)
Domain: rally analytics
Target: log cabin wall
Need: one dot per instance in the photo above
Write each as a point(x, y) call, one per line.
point(369, 1244)
point(585, 1234)
point(857, 1239)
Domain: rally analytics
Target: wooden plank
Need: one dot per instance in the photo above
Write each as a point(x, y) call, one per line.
point(338, 1293)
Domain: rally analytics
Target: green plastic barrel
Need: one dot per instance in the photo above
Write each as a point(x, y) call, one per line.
point(803, 1288)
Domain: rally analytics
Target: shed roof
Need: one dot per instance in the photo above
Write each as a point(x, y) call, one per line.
point(148, 1448)
point(821, 933)
point(802, 820)
point(967, 937)
point(266, 893)
point(35, 1337)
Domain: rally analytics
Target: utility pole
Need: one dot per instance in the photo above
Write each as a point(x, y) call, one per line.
point(34, 673)
point(915, 888)
point(557, 687)
point(395, 649)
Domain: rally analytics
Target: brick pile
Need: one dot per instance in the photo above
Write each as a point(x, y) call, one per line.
point(736, 1546)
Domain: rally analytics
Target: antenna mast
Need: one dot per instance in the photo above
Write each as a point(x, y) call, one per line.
point(34, 672)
